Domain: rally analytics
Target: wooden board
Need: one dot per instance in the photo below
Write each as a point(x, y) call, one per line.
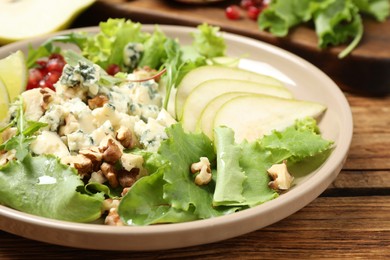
point(366, 70)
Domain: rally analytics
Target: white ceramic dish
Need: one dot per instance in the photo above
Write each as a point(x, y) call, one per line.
point(306, 82)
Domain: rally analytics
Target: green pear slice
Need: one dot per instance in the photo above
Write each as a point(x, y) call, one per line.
point(201, 95)
point(205, 121)
point(253, 116)
point(208, 72)
point(25, 19)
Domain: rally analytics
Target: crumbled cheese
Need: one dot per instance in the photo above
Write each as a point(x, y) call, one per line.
point(49, 143)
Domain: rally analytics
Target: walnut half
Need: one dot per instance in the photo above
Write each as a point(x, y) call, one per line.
point(204, 171)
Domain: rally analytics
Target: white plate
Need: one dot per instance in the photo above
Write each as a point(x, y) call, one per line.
point(306, 82)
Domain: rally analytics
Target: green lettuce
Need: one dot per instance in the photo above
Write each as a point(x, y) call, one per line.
point(230, 173)
point(240, 178)
point(170, 194)
point(295, 144)
point(43, 186)
point(335, 21)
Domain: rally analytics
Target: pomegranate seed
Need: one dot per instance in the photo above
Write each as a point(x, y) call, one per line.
point(245, 4)
point(55, 64)
point(253, 12)
point(50, 79)
point(232, 12)
point(34, 76)
point(113, 69)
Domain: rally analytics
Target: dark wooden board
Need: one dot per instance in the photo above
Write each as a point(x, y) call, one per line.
point(366, 70)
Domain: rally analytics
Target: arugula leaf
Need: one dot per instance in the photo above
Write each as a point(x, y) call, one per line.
point(25, 133)
point(49, 46)
point(44, 187)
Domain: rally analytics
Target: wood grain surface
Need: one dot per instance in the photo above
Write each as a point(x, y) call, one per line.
point(366, 70)
point(350, 220)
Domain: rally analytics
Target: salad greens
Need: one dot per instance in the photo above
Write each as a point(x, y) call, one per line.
point(170, 194)
point(42, 185)
point(160, 51)
point(335, 21)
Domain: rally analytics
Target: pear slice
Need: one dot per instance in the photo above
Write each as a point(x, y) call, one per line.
point(14, 73)
point(205, 121)
point(4, 102)
point(204, 73)
point(253, 116)
point(201, 95)
point(30, 18)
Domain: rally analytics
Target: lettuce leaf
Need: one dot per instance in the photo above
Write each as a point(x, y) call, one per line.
point(336, 21)
point(170, 194)
point(379, 9)
point(208, 42)
point(280, 16)
point(295, 144)
point(144, 204)
point(44, 187)
point(229, 173)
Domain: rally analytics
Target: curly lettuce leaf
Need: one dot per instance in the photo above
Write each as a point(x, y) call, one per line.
point(280, 16)
point(295, 144)
point(379, 9)
point(336, 21)
point(144, 204)
point(170, 194)
point(208, 42)
point(44, 187)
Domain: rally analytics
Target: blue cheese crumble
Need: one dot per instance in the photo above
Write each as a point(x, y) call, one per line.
point(134, 106)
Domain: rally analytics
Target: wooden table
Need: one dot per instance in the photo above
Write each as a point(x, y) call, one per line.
point(351, 219)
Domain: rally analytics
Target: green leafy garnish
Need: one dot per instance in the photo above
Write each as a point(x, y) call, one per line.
point(21, 141)
point(335, 21)
point(240, 178)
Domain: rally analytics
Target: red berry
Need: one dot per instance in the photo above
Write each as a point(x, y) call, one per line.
point(253, 12)
point(55, 63)
point(50, 79)
point(232, 12)
point(34, 76)
point(113, 69)
point(245, 4)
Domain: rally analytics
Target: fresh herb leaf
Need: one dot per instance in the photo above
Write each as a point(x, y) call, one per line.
point(25, 133)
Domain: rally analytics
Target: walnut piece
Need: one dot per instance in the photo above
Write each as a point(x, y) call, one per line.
point(125, 137)
point(204, 171)
point(112, 218)
point(111, 151)
point(47, 97)
point(93, 153)
point(97, 101)
point(109, 172)
point(281, 178)
point(81, 163)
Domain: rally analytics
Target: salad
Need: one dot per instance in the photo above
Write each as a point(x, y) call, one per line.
point(98, 140)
